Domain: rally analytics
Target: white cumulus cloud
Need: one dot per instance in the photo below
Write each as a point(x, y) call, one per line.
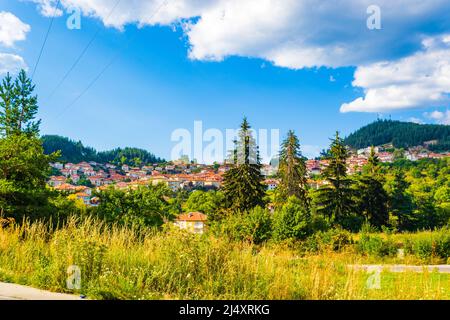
point(12, 29)
point(11, 63)
point(300, 34)
point(420, 80)
point(290, 33)
point(439, 117)
point(48, 8)
point(415, 120)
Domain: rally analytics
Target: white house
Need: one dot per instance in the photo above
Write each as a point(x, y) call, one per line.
point(194, 222)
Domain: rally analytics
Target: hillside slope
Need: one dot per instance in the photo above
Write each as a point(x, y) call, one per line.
point(72, 151)
point(400, 134)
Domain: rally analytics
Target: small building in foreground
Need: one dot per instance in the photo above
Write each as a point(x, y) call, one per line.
point(193, 222)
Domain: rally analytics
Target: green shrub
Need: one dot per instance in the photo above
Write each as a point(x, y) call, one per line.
point(292, 221)
point(254, 226)
point(375, 245)
point(428, 247)
point(319, 223)
point(334, 239)
point(423, 248)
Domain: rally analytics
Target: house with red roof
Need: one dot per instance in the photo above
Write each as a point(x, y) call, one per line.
point(194, 222)
point(56, 181)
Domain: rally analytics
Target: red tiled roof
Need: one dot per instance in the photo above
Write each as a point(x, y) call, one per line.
point(58, 178)
point(192, 216)
point(82, 194)
point(65, 186)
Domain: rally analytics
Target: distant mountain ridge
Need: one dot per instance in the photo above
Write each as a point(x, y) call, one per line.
point(401, 135)
point(73, 151)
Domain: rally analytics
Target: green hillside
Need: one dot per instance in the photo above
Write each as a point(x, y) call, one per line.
point(400, 134)
point(72, 151)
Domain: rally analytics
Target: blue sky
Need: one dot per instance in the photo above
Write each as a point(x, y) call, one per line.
point(176, 70)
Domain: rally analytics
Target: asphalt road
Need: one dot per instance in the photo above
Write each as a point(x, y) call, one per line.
point(444, 268)
point(9, 291)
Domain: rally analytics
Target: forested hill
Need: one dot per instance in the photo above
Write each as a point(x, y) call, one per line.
point(400, 134)
point(72, 151)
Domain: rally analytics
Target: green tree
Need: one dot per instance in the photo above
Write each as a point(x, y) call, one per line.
point(373, 198)
point(18, 106)
point(145, 206)
point(71, 151)
point(399, 154)
point(292, 221)
point(292, 170)
point(242, 185)
point(83, 181)
point(335, 200)
point(400, 134)
point(254, 226)
point(24, 169)
point(206, 202)
point(400, 204)
point(442, 198)
point(137, 162)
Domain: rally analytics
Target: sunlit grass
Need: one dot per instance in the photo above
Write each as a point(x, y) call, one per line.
point(120, 263)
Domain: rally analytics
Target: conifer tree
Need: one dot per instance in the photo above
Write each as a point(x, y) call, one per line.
point(336, 198)
point(23, 165)
point(18, 106)
point(372, 196)
point(292, 170)
point(242, 185)
point(400, 203)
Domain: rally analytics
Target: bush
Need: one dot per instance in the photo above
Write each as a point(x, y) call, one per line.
point(319, 223)
point(254, 226)
point(423, 248)
point(146, 206)
point(429, 247)
point(334, 239)
point(375, 245)
point(292, 221)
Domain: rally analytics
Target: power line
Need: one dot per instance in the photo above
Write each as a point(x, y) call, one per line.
point(96, 78)
point(89, 86)
point(80, 56)
point(45, 39)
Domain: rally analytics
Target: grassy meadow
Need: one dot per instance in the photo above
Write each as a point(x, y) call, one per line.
point(119, 263)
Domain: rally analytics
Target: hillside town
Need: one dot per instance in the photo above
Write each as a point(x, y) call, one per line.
point(83, 178)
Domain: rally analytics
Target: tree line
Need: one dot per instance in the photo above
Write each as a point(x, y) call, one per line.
point(402, 196)
point(75, 152)
point(400, 134)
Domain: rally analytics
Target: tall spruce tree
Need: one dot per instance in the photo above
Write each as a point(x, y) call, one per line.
point(18, 106)
point(23, 165)
point(292, 170)
point(373, 198)
point(242, 185)
point(400, 203)
point(335, 200)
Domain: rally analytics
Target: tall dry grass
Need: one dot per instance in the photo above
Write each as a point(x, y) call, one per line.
point(121, 263)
